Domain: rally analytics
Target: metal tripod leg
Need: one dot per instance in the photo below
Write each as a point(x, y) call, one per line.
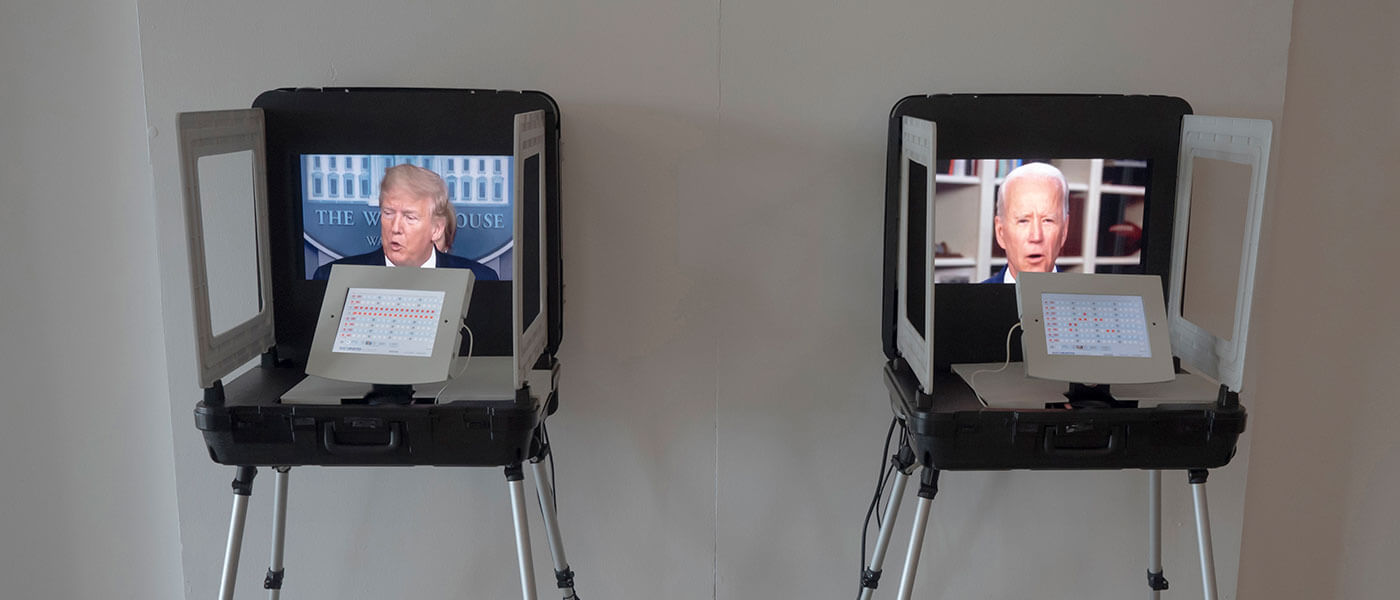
point(563, 575)
point(273, 581)
point(870, 578)
point(1156, 581)
point(515, 478)
point(1198, 490)
point(242, 489)
point(928, 488)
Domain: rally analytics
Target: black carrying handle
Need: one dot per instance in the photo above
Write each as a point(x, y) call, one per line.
point(1115, 443)
point(328, 440)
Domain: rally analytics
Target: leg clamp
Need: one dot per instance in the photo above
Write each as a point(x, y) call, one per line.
point(273, 581)
point(1157, 581)
point(564, 578)
point(243, 481)
point(869, 579)
point(903, 460)
point(928, 483)
point(541, 454)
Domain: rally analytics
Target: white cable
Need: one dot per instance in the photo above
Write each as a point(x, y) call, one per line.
point(471, 340)
point(972, 381)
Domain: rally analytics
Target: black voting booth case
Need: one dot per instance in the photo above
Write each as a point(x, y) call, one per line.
point(948, 427)
point(244, 420)
point(952, 430)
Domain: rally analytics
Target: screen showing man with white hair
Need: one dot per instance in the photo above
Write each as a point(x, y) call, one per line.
point(1032, 220)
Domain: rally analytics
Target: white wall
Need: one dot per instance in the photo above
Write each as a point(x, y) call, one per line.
point(722, 407)
point(1320, 519)
point(87, 479)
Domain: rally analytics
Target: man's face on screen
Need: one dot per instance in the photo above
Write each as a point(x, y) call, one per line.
point(1033, 228)
point(407, 228)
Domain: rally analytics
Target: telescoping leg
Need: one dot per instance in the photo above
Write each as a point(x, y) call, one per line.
point(1198, 490)
point(515, 479)
point(273, 581)
point(870, 577)
point(563, 575)
point(1156, 581)
point(928, 488)
point(242, 489)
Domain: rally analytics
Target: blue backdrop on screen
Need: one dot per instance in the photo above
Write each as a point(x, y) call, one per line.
point(340, 205)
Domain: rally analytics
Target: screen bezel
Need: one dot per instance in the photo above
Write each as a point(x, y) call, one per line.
point(323, 361)
point(1040, 363)
point(394, 121)
point(971, 320)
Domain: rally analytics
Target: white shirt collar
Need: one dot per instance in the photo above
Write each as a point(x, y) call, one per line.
point(1009, 278)
point(431, 264)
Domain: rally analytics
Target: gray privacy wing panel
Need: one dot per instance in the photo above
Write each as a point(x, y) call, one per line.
point(227, 140)
point(529, 293)
point(914, 321)
point(1222, 168)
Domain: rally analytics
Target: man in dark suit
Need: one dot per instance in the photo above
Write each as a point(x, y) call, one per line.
point(444, 261)
point(1032, 220)
point(416, 226)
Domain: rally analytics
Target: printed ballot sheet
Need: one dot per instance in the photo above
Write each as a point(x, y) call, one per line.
point(1095, 325)
point(389, 322)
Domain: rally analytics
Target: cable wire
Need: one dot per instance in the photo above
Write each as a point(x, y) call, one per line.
point(553, 483)
point(886, 470)
point(972, 381)
point(471, 340)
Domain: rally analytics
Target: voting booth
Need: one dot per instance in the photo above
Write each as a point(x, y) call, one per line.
point(1067, 285)
point(309, 217)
